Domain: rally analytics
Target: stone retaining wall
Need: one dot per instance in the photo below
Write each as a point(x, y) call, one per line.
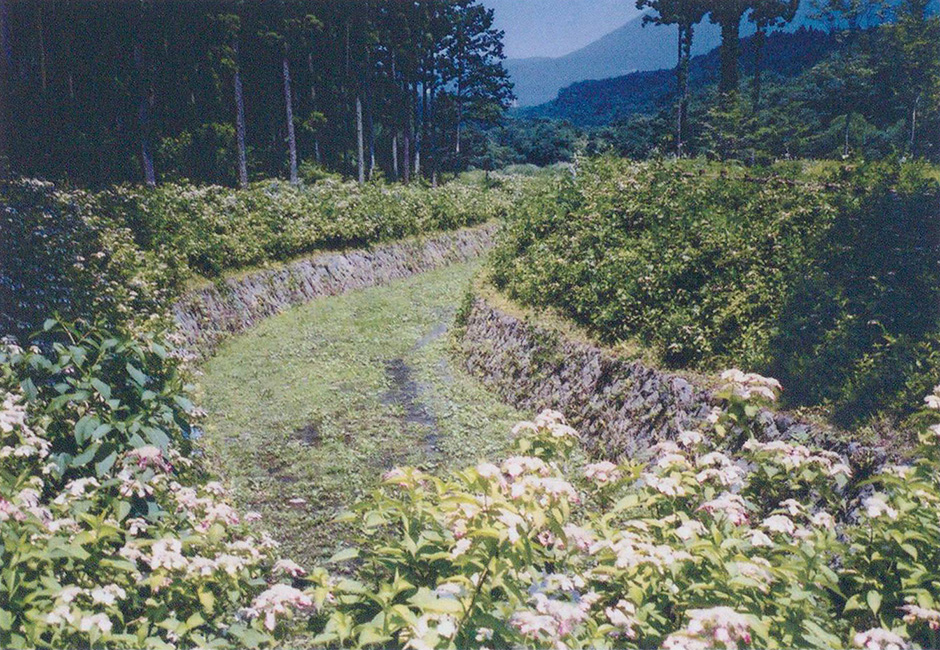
point(209, 314)
point(619, 405)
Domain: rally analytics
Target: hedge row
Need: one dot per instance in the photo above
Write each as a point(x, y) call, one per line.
point(123, 252)
point(828, 280)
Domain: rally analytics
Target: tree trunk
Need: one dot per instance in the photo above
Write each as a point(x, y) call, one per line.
point(433, 151)
point(914, 123)
point(313, 107)
point(42, 48)
point(845, 146)
point(425, 124)
point(395, 157)
point(240, 126)
point(760, 39)
point(371, 128)
point(458, 101)
point(4, 108)
point(370, 131)
point(730, 33)
point(291, 137)
point(360, 153)
point(67, 43)
point(406, 156)
point(679, 72)
point(409, 136)
point(418, 141)
point(145, 101)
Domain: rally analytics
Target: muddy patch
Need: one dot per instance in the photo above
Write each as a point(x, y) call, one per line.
point(309, 435)
point(444, 318)
point(436, 332)
point(405, 393)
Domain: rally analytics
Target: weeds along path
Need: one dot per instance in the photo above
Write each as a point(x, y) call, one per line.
point(317, 403)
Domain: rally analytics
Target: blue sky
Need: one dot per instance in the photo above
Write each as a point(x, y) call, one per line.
point(556, 27)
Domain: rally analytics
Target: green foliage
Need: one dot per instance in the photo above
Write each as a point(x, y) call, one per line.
point(119, 255)
point(73, 255)
point(157, 79)
point(703, 544)
point(852, 92)
point(819, 279)
point(214, 229)
point(111, 535)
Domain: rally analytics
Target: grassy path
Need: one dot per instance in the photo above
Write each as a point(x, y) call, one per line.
point(317, 403)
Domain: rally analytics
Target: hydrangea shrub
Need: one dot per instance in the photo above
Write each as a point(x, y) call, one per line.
point(112, 536)
point(715, 540)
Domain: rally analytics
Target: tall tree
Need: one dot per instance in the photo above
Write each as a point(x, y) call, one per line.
point(291, 136)
point(145, 93)
point(5, 57)
point(765, 15)
point(229, 52)
point(297, 27)
point(685, 14)
point(481, 85)
point(912, 68)
point(156, 83)
point(728, 15)
point(848, 18)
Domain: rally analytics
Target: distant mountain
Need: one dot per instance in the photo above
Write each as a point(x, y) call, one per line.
point(555, 27)
point(626, 49)
point(599, 102)
point(630, 48)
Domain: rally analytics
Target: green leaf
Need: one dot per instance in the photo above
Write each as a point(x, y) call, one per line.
point(157, 437)
point(370, 635)
point(823, 638)
point(874, 601)
point(138, 377)
point(85, 457)
point(183, 403)
point(29, 389)
point(123, 509)
point(103, 389)
point(85, 427)
point(195, 620)
point(344, 555)
point(428, 602)
point(206, 599)
point(78, 354)
point(102, 467)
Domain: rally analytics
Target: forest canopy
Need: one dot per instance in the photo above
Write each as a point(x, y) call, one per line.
point(224, 92)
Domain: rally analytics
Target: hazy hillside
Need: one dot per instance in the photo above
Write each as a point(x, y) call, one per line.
point(627, 49)
point(630, 48)
point(598, 102)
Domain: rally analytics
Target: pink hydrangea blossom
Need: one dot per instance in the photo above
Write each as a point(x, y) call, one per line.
point(879, 639)
point(915, 613)
point(602, 472)
point(289, 567)
point(276, 600)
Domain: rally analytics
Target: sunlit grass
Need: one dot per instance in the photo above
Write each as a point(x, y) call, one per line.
point(318, 403)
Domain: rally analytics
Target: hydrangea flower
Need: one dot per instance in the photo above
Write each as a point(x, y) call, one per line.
point(879, 639)
point(276, 600)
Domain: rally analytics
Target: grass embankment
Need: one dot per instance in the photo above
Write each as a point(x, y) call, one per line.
point(318, 403)
point(122, 254)
point(826, 279)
